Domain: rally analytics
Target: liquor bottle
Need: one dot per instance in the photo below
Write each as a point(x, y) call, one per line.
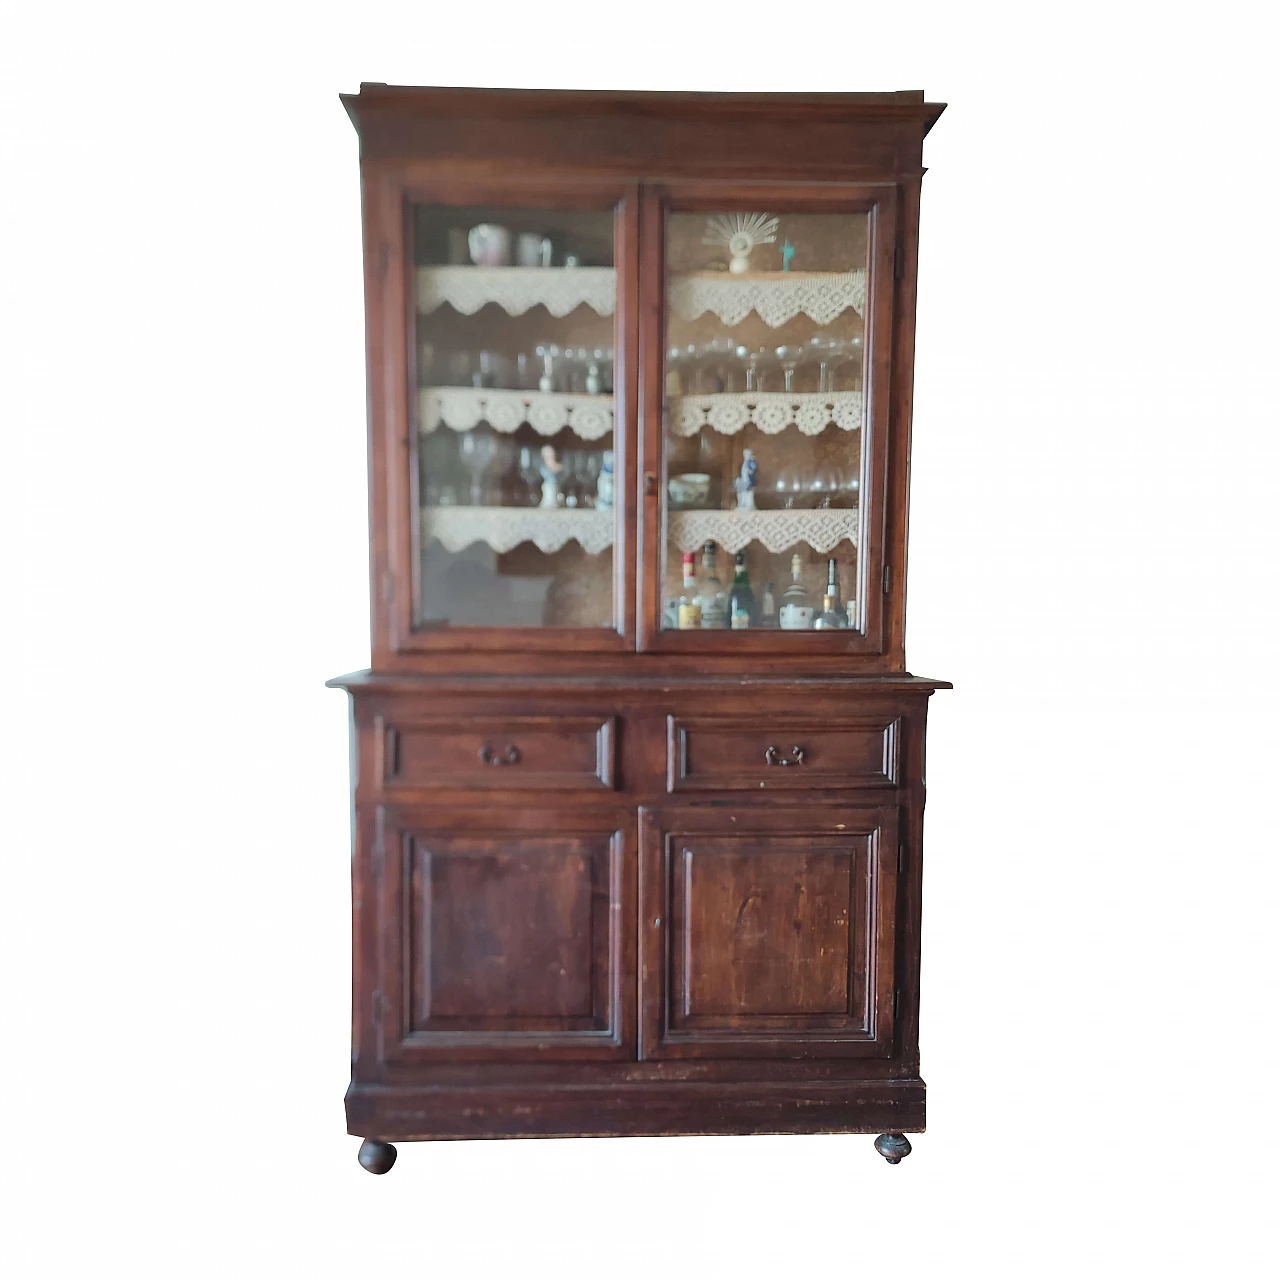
point(711, 594)
point(688, 609)
point(796, 610)
point(833, 615)
point(768, 608)
point(689, 606)
point(742, 600)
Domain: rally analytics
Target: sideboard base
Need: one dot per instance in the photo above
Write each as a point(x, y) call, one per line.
point(406, 1114)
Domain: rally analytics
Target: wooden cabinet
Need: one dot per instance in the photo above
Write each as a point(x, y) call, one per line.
point(638, 768)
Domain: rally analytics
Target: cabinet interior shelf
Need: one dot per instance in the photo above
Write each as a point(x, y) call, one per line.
point(504, 528)
point(547, 412)
point(517, 289)
point(775, 296)
point(776, 530)
point(768, 411)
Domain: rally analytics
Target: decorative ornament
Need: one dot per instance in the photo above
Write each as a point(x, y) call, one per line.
point(550, 467)
point(788, 252)
point(745, 484)
point(604, 482)
point(740, 233)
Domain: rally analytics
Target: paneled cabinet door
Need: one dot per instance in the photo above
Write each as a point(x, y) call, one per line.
point(506, 934)
point(768, 933)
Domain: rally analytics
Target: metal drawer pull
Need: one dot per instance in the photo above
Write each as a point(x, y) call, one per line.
point(512, 756)
point(771, 756)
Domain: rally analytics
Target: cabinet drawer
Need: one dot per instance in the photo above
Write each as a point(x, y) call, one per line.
point(778, 754)
point(565, 753)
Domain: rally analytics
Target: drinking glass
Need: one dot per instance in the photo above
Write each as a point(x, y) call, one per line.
point(789, 358)
point(478, 449)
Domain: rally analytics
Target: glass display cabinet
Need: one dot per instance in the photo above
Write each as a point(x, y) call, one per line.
point(638, 766)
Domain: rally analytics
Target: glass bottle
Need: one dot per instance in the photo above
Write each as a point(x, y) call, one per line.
point(833, 615)
point(711, 594)
point(768, 607)
point(688, 609)
point(742, 600)
point(796, 610)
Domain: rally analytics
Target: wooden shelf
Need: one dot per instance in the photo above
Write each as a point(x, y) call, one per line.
point(777, 530)
point(775, 296)
point(503, 528)
point(767, 411)
point(547, 412)
point(517, 289)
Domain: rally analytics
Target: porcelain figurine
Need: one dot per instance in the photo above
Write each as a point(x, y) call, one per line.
point(550, 470)
point(604, 482)
point(788, 252)
point(745, 485)
point(740, 233)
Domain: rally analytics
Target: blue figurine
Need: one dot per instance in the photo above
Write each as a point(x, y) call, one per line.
point(745, 485)
point(788, 252)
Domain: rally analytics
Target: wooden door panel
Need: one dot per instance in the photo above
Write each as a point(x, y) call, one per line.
point(507, 940)
point(768, 934)
point(764, 932)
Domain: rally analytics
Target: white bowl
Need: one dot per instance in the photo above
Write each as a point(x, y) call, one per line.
point(689, 490)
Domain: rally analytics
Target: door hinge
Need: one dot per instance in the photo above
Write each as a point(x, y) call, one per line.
point(888, 578)
point(897, 1004)
point(899, 262)
point(902, 856)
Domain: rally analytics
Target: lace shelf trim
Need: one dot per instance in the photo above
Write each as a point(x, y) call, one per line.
point(503, 528)
point(517, 289)
point(770, 412)
point(775, 296)
point(776, 530)
point(462, 408)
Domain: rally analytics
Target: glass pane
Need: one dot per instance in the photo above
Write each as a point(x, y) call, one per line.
point(764, 420)
point(514, 358)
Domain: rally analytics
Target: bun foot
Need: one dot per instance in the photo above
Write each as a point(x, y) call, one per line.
point(378, 1157)
point(893, 1146)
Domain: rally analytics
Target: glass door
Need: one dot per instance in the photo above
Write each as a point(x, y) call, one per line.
point(766, 506)
point(516, 360)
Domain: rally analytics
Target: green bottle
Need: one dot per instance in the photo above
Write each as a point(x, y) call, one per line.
point(742, 600)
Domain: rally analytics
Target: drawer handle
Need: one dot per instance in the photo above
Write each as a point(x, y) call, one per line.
point(512, 756)
point(771, 756)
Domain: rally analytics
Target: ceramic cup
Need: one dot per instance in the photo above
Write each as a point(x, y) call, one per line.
point(533, 250)
point(490, 245)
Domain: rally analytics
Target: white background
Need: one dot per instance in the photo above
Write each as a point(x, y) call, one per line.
point(1093, 556)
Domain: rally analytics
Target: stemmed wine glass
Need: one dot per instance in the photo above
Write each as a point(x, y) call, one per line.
point(478, 450)
point(789, 358)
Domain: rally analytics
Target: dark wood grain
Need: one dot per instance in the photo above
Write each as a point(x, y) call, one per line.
point(616, 880)
point(501, 937)
point(767, 933)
